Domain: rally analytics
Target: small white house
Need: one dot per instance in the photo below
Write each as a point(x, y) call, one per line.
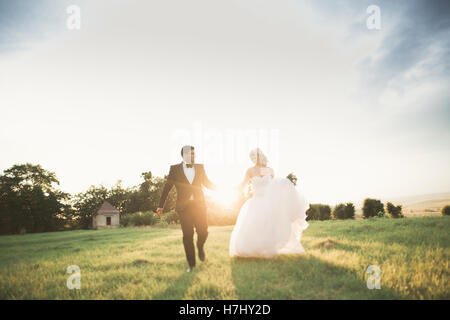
point(106, 217)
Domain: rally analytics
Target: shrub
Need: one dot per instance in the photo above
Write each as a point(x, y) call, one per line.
point(344, 211)
point(125, 220)
point(161, 224)
point(339, 211)
point(293, 178)
point(318, 212)
point(138, 218)
point(394, 211)
point(171, 217)
point(446, 210)
point(349, 211)
point(147, 218)
point(380, 214)
point(372, 208)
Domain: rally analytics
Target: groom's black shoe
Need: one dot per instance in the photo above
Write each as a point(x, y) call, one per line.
point(201, 254)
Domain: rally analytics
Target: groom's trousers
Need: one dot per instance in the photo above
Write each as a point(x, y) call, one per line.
point(193, 216)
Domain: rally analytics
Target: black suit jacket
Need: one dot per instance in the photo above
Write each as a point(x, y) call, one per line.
point(184, 188)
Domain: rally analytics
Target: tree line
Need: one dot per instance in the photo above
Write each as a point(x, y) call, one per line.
point(371, 208)
point(30, 200)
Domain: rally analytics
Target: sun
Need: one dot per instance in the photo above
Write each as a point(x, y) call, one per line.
point(226, 197)
point(227, 181)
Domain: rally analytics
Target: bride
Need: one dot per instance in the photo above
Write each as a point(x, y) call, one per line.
point(271, 222)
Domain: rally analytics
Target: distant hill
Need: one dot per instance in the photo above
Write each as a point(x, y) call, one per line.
point(418, 205)
point(430, 204)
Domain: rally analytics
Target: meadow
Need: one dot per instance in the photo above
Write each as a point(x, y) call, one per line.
point(149, 263)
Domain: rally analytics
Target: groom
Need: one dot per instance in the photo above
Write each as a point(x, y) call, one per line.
point(188, 178)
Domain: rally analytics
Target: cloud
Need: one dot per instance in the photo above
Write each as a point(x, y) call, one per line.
point(416, 48)
point(288, 65)
point(24, 23)
point(413, 43)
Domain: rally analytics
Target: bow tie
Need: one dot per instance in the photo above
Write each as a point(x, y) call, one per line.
point(189, 165)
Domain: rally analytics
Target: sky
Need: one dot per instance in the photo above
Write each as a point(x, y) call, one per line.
point(353, 112)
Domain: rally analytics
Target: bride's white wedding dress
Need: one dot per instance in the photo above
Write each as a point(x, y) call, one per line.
point(271, 222)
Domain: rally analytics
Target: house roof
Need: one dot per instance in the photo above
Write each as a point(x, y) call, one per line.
point(107, 208)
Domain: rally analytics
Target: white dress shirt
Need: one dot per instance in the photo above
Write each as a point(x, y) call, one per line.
point(190, 175)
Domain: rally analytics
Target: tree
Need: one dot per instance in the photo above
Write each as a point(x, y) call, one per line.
point(372, 208)
point(87, 203)
point(349, 211)
point(339, 211)
point(318, 212)
point(344, 211)
point(446, 210)
point(142, 198)
point(119, 196)
point(293, 178)
point(30, 202)
point(146, 196)
point(394, 211)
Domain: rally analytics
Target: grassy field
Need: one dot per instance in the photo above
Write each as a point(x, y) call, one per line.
point(149, 263)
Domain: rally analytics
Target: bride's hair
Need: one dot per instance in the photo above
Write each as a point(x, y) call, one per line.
point(258, 157)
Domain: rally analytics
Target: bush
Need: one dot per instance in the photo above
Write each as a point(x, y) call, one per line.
point(349, 211)
point(147, 218)
point(171, 217)
point(380, 214)
point(125, 220)
point(446, 210)
point(339, 211)
point(394, 211)
point(372, 208)
point(150, 218)
point(293, 178)
point(161, 224)
point(318, 212)
point(344, 211)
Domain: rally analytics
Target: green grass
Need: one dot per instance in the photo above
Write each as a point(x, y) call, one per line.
point(149, 263)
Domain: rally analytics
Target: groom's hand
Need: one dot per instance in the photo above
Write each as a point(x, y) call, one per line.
point(159, 212)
